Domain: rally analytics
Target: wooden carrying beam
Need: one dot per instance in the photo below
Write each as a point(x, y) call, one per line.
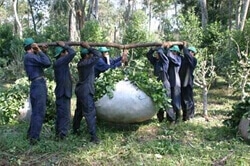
point(119, 46)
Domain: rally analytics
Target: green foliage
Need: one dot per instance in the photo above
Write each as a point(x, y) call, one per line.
point(136, 28)
point(11, 54)
point(57, 31)
point(50, 104)
point(12, 99)
point(6, 37)
point(136, 31)
point(92, 32)
point(140, 76)
point(105, 84)
point(240, 109)
point(143, 78)
point(190, 28)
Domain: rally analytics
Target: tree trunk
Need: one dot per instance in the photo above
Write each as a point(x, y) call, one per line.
point(96, 9)
point(230, 15)
point(32, 15)
point(90, 10)
point(244, 14)
point(244, 84)
point(205, 91)
point(17, 19)
point(238, 13)
point(80, 13)
point(73, 33)
point(204, 15)
point(150, 17)
point(128, 11)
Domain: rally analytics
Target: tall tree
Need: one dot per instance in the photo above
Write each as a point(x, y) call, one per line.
point(74, 34)
point(17, 21)
point(243, 14)
point(32, 15)
point(80, 13)
point(204, 15)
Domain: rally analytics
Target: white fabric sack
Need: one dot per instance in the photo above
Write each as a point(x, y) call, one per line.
point(128, 105)
point(25, 112)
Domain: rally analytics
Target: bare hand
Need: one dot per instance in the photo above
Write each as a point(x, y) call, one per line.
point(35, 47)
point(125, 56)
point(85, 45)
point(184, 43)
point(60, 43)
point(45, 48)
point(166, 45)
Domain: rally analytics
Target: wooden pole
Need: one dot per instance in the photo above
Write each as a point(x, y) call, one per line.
point(115, 45)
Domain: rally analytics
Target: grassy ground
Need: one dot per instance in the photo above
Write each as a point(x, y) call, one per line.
point(196, 142)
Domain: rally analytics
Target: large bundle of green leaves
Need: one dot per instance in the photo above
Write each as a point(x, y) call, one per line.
point(140, 75)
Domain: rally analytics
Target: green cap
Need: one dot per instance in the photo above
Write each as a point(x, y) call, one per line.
point(58, 51)
point(175, 48)
point(103, 49)
point(191, 48)
point(28, 41)
point(84, 51)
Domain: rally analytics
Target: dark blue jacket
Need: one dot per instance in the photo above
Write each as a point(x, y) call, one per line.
point(160, 65)
point(86, 72)
point(101, 66)
point(62, 74)
point(173, 70)
point(34, 64)
point(188, 65)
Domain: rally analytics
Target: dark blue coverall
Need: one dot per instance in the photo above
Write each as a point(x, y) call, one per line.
point(34, 65)
point(175, 83)
point(161, 66)
point(102, 65)
point(85, 94)
point(63, 92)
point(188, 65)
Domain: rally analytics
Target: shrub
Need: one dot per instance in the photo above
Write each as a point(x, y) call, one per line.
point(240, 109)
point(13, 98)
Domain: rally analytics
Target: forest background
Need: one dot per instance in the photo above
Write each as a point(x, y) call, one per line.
point(218, 29)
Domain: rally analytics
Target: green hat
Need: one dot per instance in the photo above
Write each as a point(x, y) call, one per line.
point(84, 51)
point(175, 48)
point(58, 51)
point(28, 41)
point(103, 49)
point(192, 49)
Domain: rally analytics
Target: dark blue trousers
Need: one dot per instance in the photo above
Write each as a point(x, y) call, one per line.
point(176, 101)
point(62, 115)
point(187, 102)
point(85, 107)
point(38, 97)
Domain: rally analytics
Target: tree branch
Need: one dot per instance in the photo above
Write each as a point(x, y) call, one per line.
point(120, 46)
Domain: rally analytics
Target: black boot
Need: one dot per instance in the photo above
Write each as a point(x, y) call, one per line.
point(94, 139)
point(160, 115)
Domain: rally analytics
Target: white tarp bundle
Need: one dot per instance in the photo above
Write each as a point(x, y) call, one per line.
point(128, 105)
point(25, 111)
point(244, 128)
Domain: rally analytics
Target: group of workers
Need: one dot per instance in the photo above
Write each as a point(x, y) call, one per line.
point(176, 73)
point(174, 70)
point(92, 63)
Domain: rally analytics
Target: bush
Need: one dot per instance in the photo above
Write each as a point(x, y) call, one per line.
point(12, 99)
point(239, 110)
